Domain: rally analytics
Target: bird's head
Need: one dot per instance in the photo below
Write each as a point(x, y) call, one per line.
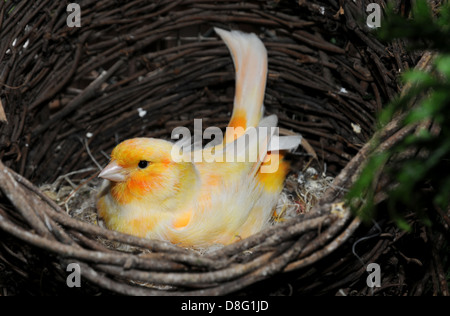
point(143, 168)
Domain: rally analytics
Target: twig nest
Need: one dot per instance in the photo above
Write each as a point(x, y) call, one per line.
point(71, 94)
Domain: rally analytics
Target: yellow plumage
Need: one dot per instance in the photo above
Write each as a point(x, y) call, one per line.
point(149, 194)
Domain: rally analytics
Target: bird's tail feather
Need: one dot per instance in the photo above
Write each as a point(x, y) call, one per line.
point(251, 65)
point(250, 61)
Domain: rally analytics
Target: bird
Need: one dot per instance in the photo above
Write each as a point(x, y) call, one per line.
point(149, 194)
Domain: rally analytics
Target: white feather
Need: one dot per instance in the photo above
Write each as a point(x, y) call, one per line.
point(285, 142)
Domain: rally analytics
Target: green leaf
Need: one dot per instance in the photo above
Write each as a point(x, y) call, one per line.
point(417, 77)
point(403, 224)
point(442, 199)
point(421, 12)
point(427, 100)
point(362, 189)
point(428, 108)
point(443, 65)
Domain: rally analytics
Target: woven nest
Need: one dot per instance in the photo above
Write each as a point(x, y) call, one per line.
point(142, 68)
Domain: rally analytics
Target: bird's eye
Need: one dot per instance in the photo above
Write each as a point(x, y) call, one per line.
point(143, 164)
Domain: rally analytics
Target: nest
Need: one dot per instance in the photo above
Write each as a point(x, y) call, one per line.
point(142, 68)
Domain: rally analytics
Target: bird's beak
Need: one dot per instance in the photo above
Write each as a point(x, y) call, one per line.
point(113, 172)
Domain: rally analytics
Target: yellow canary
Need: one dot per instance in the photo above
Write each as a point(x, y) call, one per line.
point(221, 198)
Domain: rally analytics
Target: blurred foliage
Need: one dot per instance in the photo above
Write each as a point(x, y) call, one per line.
point(425, 29)
point(426, 103)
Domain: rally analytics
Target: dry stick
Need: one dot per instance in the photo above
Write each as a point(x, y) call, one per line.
point(75, 252)
point(190, 279)
point(119, 51)
point(445, 217)
point(298, 229)
point(267, 235)
point(2, 13)
point(48, 94)
point(441, 274)
point(353, 274)
point(336, 243)
point(327, 235)
point(19, 199)
point(352, 25)
point(59, 69)
point(87, 94)
point(316, 42)
point(117, 286)
point(37, 7)
point(10, 22)
point(348, 175)
point(58, 232)
point(91, 243)
point(272, 267)
point(3, 118)
point(106, 282)
point(290, 24)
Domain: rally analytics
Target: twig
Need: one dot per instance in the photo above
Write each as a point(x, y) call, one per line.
point(3, 118)
point(18, 197)
point(86, 144)
point(87, 94)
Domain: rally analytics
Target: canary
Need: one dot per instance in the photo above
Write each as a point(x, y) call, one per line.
point(150, 194)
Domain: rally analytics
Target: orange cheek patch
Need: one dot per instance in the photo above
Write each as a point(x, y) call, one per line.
point(132, 190)
point(120, 193)
point(139, 187)
point(143, 183)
